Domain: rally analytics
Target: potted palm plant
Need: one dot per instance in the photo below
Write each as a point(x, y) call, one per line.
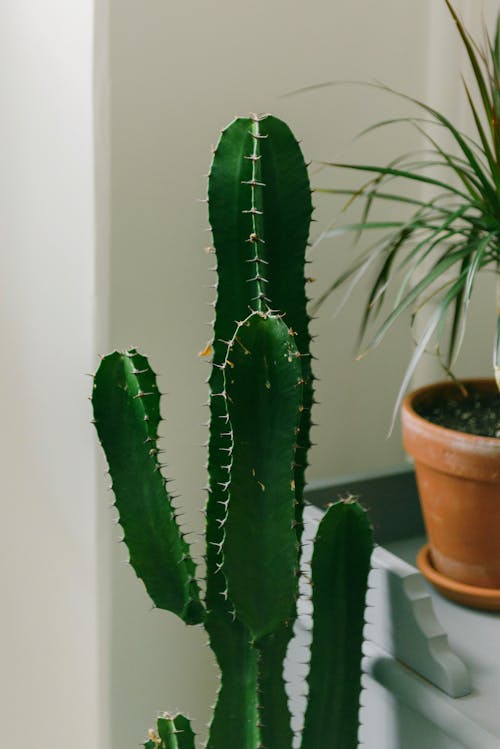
point(432, 259)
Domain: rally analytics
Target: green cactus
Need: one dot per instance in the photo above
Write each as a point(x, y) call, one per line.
point(173, 732)
point(261, 393)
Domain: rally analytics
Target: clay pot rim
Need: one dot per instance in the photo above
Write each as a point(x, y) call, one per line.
point(438, 430)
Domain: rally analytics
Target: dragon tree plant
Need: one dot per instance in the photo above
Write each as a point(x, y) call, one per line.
point(261, 393)
point(433, 256)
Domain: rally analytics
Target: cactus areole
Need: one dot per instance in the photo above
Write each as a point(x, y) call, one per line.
point(261, 393)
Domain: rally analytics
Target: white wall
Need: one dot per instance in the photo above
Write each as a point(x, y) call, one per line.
point(48, 624)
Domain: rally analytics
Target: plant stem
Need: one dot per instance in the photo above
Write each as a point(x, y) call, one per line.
point(496, 356)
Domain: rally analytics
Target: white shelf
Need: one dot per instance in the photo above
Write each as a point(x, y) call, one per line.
point(475, 637)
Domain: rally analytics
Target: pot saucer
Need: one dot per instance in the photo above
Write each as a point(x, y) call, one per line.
point(467, 595)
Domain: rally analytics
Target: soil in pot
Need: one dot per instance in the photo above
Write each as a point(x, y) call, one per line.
point(474, 411)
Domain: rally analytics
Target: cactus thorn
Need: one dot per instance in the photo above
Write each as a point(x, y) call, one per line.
point(253, 183)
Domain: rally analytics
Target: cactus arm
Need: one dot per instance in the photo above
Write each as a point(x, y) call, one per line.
point(340, 566)
point(260, 556)
point(235, 716)
point(173, 732)
point(126, 413)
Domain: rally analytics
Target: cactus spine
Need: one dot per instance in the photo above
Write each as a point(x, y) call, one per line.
point(260, 403)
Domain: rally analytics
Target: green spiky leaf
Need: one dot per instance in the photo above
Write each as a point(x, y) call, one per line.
point(339, 568)
point(126, 405)
point(260, 555)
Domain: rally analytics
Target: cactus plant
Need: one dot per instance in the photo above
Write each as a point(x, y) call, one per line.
point(261, 393)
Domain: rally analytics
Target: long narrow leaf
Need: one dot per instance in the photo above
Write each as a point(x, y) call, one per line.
point(478, 75)
point(458, 321)
point(437, 272)
point(484, 140)
point(399, 173)
point(429, 331)
point(496, 346)
point(458, 137)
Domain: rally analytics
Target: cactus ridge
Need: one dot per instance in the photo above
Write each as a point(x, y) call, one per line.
point(260, 399)
point(246, 167)
point(339, 570)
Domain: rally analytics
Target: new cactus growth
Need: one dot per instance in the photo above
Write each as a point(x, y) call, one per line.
point(260, 404)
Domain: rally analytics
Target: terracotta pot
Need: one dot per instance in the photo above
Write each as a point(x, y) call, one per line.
point(458, 477)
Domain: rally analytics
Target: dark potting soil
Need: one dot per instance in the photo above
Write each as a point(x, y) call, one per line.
point(477, 413)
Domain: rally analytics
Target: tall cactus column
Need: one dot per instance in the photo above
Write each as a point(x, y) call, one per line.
point(259, 208)
point(260, 402)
